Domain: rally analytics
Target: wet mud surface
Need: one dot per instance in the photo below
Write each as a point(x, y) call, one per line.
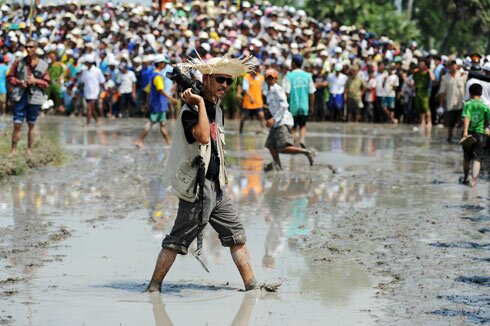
point(390, 238)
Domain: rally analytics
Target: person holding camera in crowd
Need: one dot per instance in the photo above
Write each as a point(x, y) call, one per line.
point(199, 138)
point(28, 78)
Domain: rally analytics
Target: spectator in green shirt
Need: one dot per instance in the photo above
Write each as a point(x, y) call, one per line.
point(56, 73)
point(422, 78)
point(476, 116)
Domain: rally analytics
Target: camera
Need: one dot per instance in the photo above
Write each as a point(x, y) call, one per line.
point(184, 81)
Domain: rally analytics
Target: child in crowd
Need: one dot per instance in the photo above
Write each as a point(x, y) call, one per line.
point(476, 116)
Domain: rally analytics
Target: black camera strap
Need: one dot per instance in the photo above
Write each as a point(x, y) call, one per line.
point(201, 179)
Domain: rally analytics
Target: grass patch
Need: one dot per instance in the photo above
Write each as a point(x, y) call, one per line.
point(46, 151)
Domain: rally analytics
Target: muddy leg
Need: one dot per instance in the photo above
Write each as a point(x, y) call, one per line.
point(165, 260)
point(163, 131)
point(240, 256)
point(275, 156)
point(15, 138)
point(475, 172)
point(466, 169)
point(30, 138)
point(139, 141)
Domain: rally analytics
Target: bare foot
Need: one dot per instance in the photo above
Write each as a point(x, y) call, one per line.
point(153, 288)
point(139, 144)
point(13, 153)
point(472, 182)
point(28, 152)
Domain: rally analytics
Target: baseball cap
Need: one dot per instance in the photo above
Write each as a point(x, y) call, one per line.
point(339, 67)
point(270, 73)
point(297, 59)
point(160, 58)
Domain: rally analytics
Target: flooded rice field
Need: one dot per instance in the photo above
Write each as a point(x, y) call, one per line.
point(389, 238)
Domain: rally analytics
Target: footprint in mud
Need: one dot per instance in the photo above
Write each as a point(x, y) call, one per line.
point(477, 219)
point(484, 230)
point(474, 317)
point(463, 245)
point(476, 280)
point(168, 287)
point(482, 260)
point(467, 207)
point(479, 316)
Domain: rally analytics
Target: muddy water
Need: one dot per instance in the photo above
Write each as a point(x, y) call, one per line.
point(78, 243)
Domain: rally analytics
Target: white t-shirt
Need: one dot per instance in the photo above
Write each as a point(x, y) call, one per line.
point(391, 82)
point(380, 78)
point(126, 81)
point(91, 80)
point(336, 84)
point(485, 96)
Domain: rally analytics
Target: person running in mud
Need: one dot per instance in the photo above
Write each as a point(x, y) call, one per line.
point(159, 102)
point(476, 117)
point(199, 130)
point(280, 139)
point(29, 78)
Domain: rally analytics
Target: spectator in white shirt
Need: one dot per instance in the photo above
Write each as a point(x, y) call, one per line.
point(380, 92)
point(336, 86)
point(390, 84)
point(92, 82)
point(126, 81)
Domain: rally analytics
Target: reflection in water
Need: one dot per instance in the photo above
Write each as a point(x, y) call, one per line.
point(333, 282)
point(242, 317)
point(29, 233)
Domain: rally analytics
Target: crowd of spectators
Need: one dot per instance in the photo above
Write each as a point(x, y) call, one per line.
point(378, 79)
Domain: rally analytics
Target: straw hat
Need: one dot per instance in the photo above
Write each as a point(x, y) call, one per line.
point(233, 67)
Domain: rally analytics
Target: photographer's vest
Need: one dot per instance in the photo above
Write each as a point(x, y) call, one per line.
point(255, 90)
point(35, 94)
point(182, 151)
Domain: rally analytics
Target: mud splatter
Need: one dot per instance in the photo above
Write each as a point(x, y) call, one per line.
point(60, 235)
point(478, 280)
point(463, 245)
point(6, 320)
point(169, 287)
point(478, 219)
point(11, 280)
point(484, 230)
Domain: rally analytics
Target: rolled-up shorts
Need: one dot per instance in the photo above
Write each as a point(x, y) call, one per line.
point(388, 102)
point(159, 117)
point(477, 151)
point(279, 138)
point(25, 111)
point(218, 211)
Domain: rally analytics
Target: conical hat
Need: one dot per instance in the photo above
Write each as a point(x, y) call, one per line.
point(226, 65)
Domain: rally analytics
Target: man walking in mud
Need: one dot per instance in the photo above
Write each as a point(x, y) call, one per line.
point(29, 78)
point(199, 138)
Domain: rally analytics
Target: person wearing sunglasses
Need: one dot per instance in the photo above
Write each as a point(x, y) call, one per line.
point(199, 131)
point(28, 78)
